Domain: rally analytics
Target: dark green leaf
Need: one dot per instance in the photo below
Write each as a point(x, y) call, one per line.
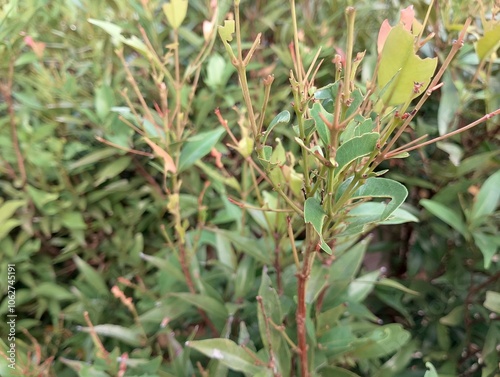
point(197, 147)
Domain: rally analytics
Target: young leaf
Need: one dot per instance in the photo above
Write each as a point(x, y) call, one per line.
point(398, 58)
point(431, 370)
point(226, 32)
point(489, 42)
point(175, 11)
point(314, 214)
point(281, 118)
point(229, 354)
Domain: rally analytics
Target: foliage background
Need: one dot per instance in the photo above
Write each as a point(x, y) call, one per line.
point(86, 216)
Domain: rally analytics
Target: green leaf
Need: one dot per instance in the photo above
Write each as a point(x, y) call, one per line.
point(489, 42)
point(314, 214)
point(215, 71)
point(360, 288)
point(41, 198)
point(112, 169)
point(379, 188)
point(355, 148)
point(226, 32)
point(255, 248)
point(487, 199)
point(94, 157)
point(321, 127)
point(271, 309)
point(129, 336)
point(8, 208)
point(176, 12)
point(197, 147)
point(332, 371)
point(394, 284)
point(92, 277)
point(446, 214)
point(492, 301)
point(52, 291)
point(347, 265)
point(281, 118)
point(7, 226)
point(113, 30)
point(374, 210)
point(382, 341)
point(398, 58)
point(73, 221)
point(229, 354)
point(104, 100)
point(212, 306)
point(454, 318)
point(488, 245)
point(431, 372)
point(449, 104)
point(225, 253)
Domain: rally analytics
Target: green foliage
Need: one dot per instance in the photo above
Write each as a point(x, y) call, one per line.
point(152, 237)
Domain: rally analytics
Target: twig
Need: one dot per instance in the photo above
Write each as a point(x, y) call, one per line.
point(6, 90)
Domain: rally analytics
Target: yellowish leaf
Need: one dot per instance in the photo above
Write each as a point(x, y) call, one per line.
point(168, 162)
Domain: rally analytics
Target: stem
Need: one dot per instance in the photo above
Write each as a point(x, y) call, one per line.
point(350, 14)
point(300, 317)
point(443, 137)
point(178, 86)
point(6, 90)
point(298, 68)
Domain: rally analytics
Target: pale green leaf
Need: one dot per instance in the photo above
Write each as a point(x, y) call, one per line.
point(314, 214)
point(10, 207)
point(492, 301)
point(175, 11)
point(321, 127)
point(431, 372)
point(489, 42)
point(229, 354)
point(226, 32)
point(398, 58)
point(127, 335)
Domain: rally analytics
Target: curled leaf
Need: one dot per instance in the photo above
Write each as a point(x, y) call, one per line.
point(168, 162)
